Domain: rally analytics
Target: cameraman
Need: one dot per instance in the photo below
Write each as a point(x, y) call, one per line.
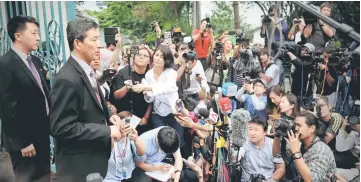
point(303, 67)
point(193, 70)
point(296, 30)
point(319, 33)
point(277, 23)
point(314, 161)
point(270, 72)
point(203, 39)
point(256, 100)
point(328, 78)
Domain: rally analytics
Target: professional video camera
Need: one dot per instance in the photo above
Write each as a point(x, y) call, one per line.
point(286, 47)
point(354, 117)
point(257, 178)
point(343, 59)
point(284, 124)
point(208, 22)
point(308, 17)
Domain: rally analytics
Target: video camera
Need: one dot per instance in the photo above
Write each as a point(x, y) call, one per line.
point(257, 178)
point(286, 47)
point(343, 59)
point(308, 17)
point(208, 22)
point(189, 56)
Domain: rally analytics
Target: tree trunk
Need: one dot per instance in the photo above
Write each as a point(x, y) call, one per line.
point(237, 20)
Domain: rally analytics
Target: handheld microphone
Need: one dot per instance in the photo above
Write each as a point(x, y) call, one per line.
point(209, 116)
point(94, 177)
point(240, 119)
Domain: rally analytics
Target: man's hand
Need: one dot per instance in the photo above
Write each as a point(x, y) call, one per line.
point(202, 28)
point(322, 66)
point(358, 165)
point(294, 141)
point(115, 133)
point(28, 151)
point(118, 40)
point(133, 135)
point(144, 121)
point(249, 87)
point(115, 120)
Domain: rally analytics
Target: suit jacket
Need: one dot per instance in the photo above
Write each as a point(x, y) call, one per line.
point(78, 124)
point(22, 105)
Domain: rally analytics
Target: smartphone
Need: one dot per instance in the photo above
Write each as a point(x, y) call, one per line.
point(111, 71)
point(128, 82)
point(179, 105)
point(127, 120)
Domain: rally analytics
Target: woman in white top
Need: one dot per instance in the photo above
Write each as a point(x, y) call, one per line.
point(296, 30)
point(160, 88)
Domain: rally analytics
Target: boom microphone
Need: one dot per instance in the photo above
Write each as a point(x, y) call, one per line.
point(240, 119)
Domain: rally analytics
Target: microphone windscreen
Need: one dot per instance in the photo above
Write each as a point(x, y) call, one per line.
point(94, 177)
point(240, 119)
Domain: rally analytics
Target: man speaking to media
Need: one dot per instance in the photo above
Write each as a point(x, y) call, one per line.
point(79, 120)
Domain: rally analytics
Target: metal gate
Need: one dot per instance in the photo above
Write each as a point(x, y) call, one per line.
point(52, 17)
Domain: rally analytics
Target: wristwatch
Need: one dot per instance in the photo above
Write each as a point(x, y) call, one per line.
point(297, 155)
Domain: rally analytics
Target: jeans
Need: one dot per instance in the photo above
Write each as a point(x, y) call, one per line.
point(169, 120)
point(205, 63)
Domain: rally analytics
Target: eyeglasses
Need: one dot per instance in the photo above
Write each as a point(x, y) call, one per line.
point(143, 55)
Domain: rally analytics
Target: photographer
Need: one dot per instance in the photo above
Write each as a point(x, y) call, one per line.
point(328, 78)
point(303, 67)
point(190, 73)
point(258, 148)
point(296, 30)
point(330, 122)
point(273, 21)
point(215, 73)
point(318, 33)
point(348, 150)
point(289, 110)
point(314, 161)
point(270, 72)
point(255, 101)
point(122, 95)
point(203, 40)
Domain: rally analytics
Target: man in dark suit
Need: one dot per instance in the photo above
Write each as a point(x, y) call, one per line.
point(79, 119)
point(24, 104)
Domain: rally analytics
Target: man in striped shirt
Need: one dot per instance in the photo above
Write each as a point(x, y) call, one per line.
point(256, 154)
point(330, 122)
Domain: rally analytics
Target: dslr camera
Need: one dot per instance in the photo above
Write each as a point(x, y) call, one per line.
point(266, 20)
point(257, 178)
point(310, 18)
point(189, 56)
point(284, 124)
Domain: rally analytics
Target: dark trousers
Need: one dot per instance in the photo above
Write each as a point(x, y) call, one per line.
point(30, 169)
point(138, 175)
point(205, 63)
point(345, 160)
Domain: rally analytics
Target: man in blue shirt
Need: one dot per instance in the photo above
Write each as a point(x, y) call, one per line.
point(255, 100)
point(158, 143)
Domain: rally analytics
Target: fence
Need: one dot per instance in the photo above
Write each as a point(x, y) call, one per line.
point(52, 17)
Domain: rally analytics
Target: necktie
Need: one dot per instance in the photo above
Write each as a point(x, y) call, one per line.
point(95, 85)
point(37, 78)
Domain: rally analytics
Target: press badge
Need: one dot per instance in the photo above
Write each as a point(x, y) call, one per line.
point(124, 172)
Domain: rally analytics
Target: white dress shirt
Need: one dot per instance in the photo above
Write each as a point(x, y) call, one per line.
point(164, 91)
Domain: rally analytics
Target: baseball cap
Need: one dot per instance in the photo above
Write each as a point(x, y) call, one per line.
point(259, 81)
point(310, 47)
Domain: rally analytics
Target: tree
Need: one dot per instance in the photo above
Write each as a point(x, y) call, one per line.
point(136, 18)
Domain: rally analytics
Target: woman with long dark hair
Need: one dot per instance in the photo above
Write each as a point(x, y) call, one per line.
point(160, 88)
point(288, 109)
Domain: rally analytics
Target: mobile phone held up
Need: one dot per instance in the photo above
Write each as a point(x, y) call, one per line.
point(179, 105)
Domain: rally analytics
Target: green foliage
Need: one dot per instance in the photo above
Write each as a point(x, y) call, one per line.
point(222, 20)
point(135, 18)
